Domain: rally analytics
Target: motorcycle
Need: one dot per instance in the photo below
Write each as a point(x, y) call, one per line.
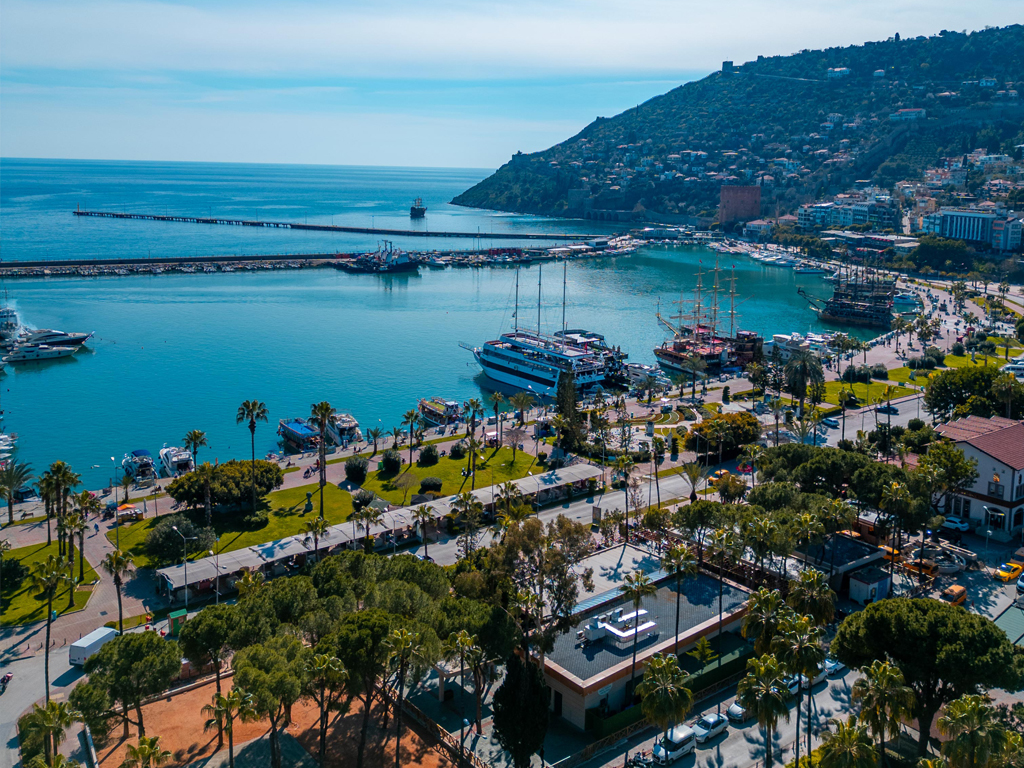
point(4, 681)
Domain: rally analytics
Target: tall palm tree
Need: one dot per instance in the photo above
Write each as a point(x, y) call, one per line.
point(374, 434)
point(46, 488)
point(680, 563)
point(473, 447)
point(126, 486)
point(762, 536)
point(1004, 387)
point(766, 612)
point(974, 730)
point(807, 530)
point(320, 415)
point(13, 476)
point(472, 410)
point(146, 754)
point(764, 693)
point(194, 440)
point(459, 645)
point(496, 399)
point(252, 411)
point(401, 645)
point(50, 723)
point(411, 419)
point(800, 651)
point(803, 370)
point(665, 698)
point(5, 546)
point(396, 436)
point(75, 525)
point(693, 364)
point(207, 473)
point(46, 579)
point(694, 474)
point(844, 400)
point(885, 701)
point(316, 529)
point(624, 466)
point(635, 587)
point(895, 501)
point(327, 679)
point(719, 433)
point(225, 708)
point(64, 480)
point(812, 595)
point(423, 515)
point(119, 565)
point(777, 407)
point(522, 402)
point(847, 745)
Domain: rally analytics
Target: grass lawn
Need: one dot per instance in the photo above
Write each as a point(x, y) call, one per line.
point(492, 469)
point(21, 606)
point(866, 393)
point(961, 361)
point(286, 518)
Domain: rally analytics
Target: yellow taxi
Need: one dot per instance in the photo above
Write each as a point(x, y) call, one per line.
point(1008, 572)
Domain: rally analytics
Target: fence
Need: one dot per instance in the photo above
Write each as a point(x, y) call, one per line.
point(447, 742)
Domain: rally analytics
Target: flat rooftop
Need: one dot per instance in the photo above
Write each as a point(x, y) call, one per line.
point(839, 551)
point(698, 603)
point(610, 569)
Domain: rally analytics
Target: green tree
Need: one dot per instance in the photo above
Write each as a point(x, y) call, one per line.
point(802, 370)
point(206, 637)
point(566, 407)
point(316, 529)
point(13, 476)
point(799, 648)
point(120, 566)
point(943, 651)
point(885, 701)
point(320, 416)
point(974, 730)
point(635, 587)
point(458, 646)
point(522, 402)
point(46, 579)
point(521, 711)
point(194, 440)
point(326, 677)
point(223, 711)
point(847, 745)
point(49, 724)
point(766, 613)
point(401, 646)
point(146, 753)
point(700, 517)
point(374, 434)
point(252, 411)
point(679, 563)
point(665, 699)
point(763, 692)
point(811, 595)
point(411, 419)
point(949, 469)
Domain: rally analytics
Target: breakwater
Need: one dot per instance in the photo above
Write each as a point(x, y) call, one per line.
point(221, 221)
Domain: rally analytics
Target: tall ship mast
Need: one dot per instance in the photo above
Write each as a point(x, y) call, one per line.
point(858, 298)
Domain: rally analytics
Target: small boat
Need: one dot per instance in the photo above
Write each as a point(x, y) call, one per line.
point(28, 354)
point(54, 338)
point(343, 429)
point(808, 269)
point(299, 435)
point(438, 412)
point(176, 461)
point(139, 466)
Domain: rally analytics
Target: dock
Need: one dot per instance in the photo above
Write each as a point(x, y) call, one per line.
point(217, 220)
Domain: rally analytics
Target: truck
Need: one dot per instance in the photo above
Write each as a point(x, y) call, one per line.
point(85, 647)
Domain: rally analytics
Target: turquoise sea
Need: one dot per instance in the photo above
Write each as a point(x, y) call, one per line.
point(176, 352)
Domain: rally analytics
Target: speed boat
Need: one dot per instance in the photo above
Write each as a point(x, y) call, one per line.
point(139, 466)
point(28, 354)
point(176, 461)
point(54, 338)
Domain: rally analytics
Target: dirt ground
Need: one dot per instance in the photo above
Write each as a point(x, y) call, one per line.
point(178, 721)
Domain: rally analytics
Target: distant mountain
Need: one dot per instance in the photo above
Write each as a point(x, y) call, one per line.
point(800, 126)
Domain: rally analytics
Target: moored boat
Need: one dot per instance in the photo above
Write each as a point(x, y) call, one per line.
point(438, 412)
point(139, 466)
point(33, 353)
point(343, 429)
point(176, 461)
point(298, 434)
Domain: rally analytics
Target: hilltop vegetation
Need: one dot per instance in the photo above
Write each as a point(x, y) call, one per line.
point(799, 125)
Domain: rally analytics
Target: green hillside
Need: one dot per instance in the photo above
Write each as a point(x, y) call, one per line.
point(782, 122)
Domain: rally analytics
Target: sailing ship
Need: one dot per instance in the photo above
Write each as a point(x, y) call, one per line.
point(858, 298)
point(418, 209)
point(696, 334)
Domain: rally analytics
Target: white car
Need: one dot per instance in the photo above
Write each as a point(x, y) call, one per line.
point(830, 422)
point(710, 726)
point(819, 677)
point(834, 667)
point(737, 713)
point(792, 683)
point(954, 523)
point(677, 743)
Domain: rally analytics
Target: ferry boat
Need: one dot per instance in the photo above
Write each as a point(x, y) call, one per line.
point(139, 466)
point(176, 461)
point(54, 338)
point(299, 435)
point(418, 209)
point(438, 412)
point(343, 429)
point(33, 353)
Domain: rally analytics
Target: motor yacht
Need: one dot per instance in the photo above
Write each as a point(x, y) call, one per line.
point(54, 338)
point(139, 466)
point(176, 461)
point(343, 429)
point(29, 354)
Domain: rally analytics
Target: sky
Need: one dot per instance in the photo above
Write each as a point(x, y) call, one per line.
point(389, 82)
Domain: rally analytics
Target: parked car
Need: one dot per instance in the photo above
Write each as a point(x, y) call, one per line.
point(955, 594)
point(792, 683)
point(710, 726)
point(888, 408)
point(737, 713)
point(956, 523)
point(833, 667)
point(1008, 572)
point(677, 743)
point(1020, 586)
point(806, 683)
point(830, 422)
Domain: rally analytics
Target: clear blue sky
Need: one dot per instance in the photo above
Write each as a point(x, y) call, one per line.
point(389, 82)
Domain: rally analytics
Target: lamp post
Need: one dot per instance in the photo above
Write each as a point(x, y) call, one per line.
point(216, 583)
point(184, 559)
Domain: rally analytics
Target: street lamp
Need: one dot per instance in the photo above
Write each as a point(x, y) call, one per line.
point(216, 583)
point(184, 559)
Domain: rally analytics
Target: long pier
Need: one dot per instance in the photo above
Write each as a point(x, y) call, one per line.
point(334, 228)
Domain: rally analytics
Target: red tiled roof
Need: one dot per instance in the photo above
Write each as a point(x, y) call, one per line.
point(972, 426)
point(1002, 439)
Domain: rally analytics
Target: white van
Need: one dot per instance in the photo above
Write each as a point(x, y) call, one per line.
point(675, 744)
point(1017, 369)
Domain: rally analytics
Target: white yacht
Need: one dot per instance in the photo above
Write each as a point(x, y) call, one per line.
point(343, 429)
point(28, 354)
point(9, 323)
point(54, 338)
point(176, 461)
point(139, 466)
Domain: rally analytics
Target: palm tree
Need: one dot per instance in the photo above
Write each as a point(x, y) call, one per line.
point(693, 364)
point(400, 645)
point(885, 701)
point(396, 434)
point(423, 515)
point(223, 711)
point(522, 402)
point(974, 730)
point(811, 595)
point(473, 447)
point(367, 518)
point(58, 761)
point(764, 692)
point(12, 477)
point(316, 529)
point(194, 440)
point(327, 679)
point(844, 399)
point(411, 419)
point(900, 325)
point(472, 410)
point(250, 583)
point(808, 529)
point(320, 415)
point(694, 474)
point(719, 433)
point(374, 434)
point(46, 579)
point(119, 565)
point(75, 525)
point(126, 486)
point(803, 370)
point(766, 612)
point(680, 563)
point(459, 645)
point(635, 587)
point(64, 481)
point(207, 473)
point(762, 536)
point(497, 399)
point(752, 454)
point(252, 411)
point(799, 649)
point(146, 754)
point(895, 500)
point(46, 489)
point(847, 746)
point(624, 466)
point(777, 407)
point(665, 698)
point(50, 723)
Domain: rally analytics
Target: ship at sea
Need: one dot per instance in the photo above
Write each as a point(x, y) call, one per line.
point(532, 361)
point(859, 297)
point(385, 259)
point(418, 209)
point(697, 332)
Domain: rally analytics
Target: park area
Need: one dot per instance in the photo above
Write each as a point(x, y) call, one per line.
point(180, 723)
point(22, 605)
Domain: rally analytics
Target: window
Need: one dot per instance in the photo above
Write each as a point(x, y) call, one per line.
point(996, 490)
